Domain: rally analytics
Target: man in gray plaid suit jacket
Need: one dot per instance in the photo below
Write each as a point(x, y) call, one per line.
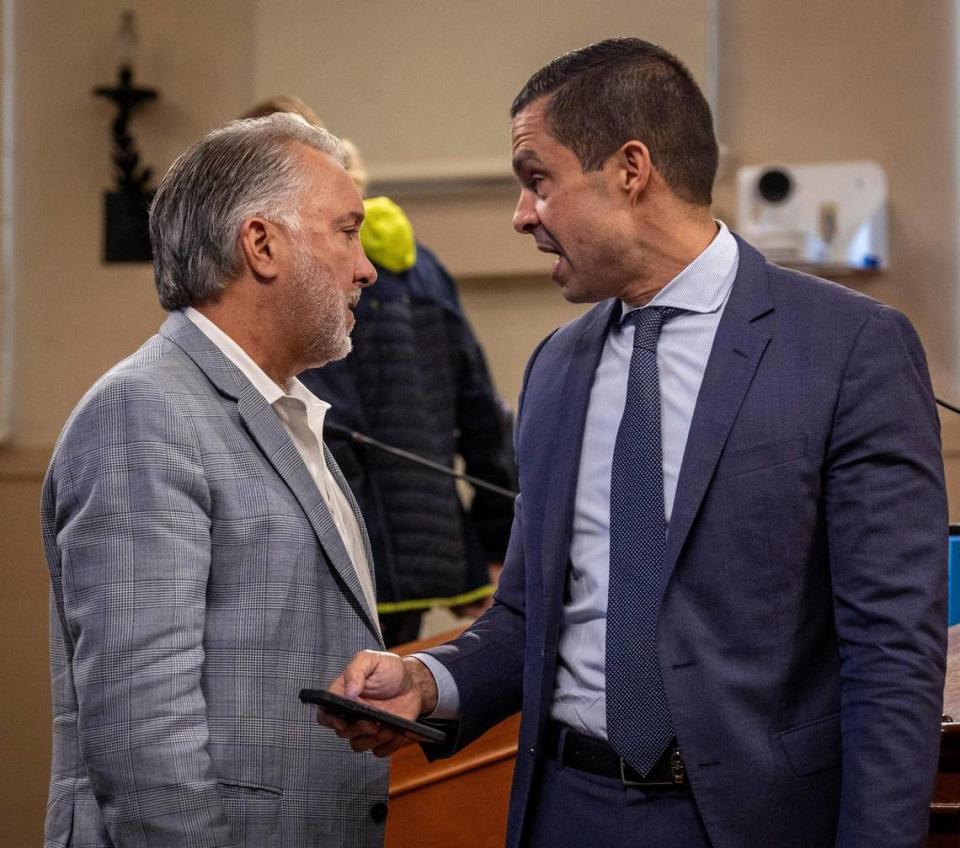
point(207, 559)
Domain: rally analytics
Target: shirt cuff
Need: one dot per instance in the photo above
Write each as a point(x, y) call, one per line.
point(448, 698)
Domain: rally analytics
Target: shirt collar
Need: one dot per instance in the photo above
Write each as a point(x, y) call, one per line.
point(253, 372)
point(703, 286)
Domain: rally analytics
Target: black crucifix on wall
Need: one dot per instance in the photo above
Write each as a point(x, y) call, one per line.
point(127, 236)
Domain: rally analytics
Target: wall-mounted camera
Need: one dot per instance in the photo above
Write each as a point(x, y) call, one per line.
point(830, 216)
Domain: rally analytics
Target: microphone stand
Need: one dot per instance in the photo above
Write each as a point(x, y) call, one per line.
point(361, 439)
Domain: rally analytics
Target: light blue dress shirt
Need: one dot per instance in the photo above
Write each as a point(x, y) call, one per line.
point(701, 290)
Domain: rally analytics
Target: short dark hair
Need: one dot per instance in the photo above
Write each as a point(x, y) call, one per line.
point(608, 93)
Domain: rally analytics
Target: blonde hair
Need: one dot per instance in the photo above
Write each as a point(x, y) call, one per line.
point(290, 103)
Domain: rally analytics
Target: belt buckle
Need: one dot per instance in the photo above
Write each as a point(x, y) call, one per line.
point(677, 773)
point(677, 770)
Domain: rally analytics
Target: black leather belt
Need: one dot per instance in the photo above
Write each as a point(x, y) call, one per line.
point(597, 756)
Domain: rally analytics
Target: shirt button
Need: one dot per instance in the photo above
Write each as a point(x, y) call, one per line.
point(378, 812)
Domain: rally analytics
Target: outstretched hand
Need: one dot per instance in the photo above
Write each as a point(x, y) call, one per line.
point(403, 686)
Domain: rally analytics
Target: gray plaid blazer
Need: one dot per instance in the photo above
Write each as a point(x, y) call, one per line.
point(198, 584)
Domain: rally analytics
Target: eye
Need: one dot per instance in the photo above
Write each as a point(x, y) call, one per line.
point(535, 183)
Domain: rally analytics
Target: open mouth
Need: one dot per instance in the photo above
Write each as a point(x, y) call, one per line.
point(551, 248)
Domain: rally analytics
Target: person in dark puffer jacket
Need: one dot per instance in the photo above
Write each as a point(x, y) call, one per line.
point(417, 379)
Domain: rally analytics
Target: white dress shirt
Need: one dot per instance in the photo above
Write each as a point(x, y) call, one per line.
point(302, 414)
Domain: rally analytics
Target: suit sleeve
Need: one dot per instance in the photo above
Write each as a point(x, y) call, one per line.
point(486, 661)
point(887, 521)
point(132, 524)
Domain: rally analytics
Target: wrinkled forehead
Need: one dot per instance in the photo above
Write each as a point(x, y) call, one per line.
point(533, 143)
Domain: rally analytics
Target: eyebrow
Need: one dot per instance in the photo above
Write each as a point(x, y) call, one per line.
point(349, 218)
point(523, 156)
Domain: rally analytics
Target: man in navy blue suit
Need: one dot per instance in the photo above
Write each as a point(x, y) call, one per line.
point(722, 611)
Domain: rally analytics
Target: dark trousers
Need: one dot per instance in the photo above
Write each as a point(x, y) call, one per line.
point(573, 809)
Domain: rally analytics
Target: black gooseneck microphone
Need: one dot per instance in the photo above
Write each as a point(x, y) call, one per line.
point(946, 405)
point(361, 439)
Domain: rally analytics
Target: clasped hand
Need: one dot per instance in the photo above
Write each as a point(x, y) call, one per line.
point(400, 685)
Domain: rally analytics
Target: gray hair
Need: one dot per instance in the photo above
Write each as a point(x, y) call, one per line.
point(248, 168)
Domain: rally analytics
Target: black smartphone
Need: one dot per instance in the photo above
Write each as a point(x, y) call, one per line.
point(354, 711)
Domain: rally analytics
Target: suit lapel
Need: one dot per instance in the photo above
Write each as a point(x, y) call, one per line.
point(274, 441)
point(737, 350)
point(576, 381)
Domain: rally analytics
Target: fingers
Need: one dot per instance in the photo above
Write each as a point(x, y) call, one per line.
point(386, 749)
point(382, 680)
point(365, 735)
point(372, 674)
point(369, 736)
point(326, 719)
point(338, 687)
point(355, 675)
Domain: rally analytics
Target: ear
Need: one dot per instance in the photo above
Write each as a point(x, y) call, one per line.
point(634, 168)
point(259, 242)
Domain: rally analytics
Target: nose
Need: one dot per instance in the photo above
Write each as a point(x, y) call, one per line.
point(525, 215)
point(366, 274)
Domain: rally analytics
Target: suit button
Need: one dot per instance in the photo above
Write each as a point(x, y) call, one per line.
point(533, 751)
point(378, 812)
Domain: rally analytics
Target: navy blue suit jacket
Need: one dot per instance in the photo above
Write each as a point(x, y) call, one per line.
point(802, 625)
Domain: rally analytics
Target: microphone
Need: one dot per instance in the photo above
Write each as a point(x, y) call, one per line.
point(361, 439)
point(949, 406)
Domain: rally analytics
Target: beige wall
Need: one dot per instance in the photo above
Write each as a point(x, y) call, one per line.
point(76, 316)
point(862, 79)
point(415, 99)
point(799, 82)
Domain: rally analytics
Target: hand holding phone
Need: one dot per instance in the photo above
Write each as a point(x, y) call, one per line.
point(349, 710)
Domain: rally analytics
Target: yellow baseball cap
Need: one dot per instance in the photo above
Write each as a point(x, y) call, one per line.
point(387, 235)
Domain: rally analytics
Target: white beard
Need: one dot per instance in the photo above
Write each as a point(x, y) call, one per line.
point(317, 310)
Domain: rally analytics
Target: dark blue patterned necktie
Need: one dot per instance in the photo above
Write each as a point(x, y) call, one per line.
point(638, 716)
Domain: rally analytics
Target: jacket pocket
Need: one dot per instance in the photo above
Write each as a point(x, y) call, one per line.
point(255, 811)
point(744, 460)
point(813, 746)
point(249, 791)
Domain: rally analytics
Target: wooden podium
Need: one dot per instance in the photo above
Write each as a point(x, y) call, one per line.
point(457, 801)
